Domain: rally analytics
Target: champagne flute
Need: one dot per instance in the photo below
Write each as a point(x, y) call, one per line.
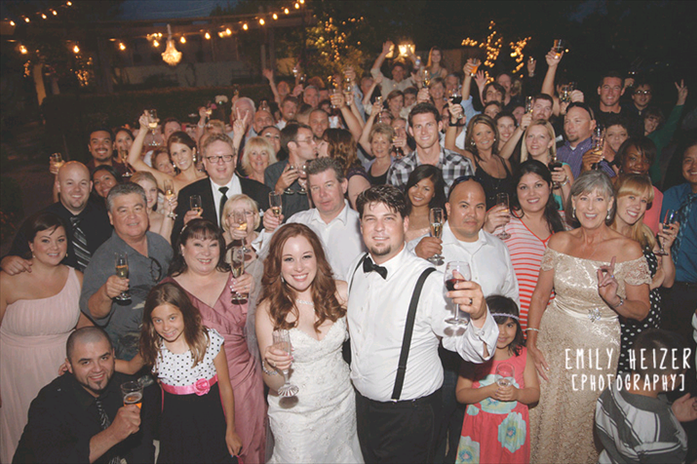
point(195, 204)
point(505, 375)
point(276, 203)
point(670, 217)
point(281, 341)
point(558, 47)
point(502, 200)
point(240, 223)
point(237, 269)
point(598, 138)
point(169, 189)
point(456, 271)
point(152, 125)
point(132, 393)
point(303, 176)
point(435, 218)
point(122, 272)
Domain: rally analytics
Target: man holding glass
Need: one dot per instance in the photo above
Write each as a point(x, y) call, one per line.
point(81, 416)
point(148, 258)
point(399, 409)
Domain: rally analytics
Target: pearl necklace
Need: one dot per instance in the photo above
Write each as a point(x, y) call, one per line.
point(305, 302)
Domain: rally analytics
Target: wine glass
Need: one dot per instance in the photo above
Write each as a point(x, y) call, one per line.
point(195, 204)
point(502, 200)
point(57, 160)
point(554, 163)
point(303, 176)
point(169, 189)
point(237, 269)
point(456, 271)
point(505, 375)
point(240, 223)
point(276, 203)
point(290, 191)
point(152, 125)
point(670, 217)
point(435, 218)
point(281, 341)
point(122, 272)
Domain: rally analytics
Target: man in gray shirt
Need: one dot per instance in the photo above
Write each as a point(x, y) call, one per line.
point(149, 256)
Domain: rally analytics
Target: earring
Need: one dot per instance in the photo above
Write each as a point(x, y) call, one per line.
point(472, 143)
point(609, 214)
point(282, 279)
point(573, 213)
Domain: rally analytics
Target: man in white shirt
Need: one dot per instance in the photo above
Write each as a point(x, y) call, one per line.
point(332, 219)
point(398, 411)
point(465, 240)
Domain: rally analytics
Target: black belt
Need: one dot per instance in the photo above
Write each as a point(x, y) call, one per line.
point(436, 396)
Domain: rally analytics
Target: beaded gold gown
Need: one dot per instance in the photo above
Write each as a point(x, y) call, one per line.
point(562, 424)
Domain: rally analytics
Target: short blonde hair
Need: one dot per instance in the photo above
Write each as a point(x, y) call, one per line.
point(227, 209)
point(261, 143)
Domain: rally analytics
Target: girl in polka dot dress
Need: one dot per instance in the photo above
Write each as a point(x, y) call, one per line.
point(197, 422)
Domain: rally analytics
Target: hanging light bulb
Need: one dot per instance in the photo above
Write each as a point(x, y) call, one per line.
point(183, 40)
point(155, 43)
point(171, 55)
point(69, 3)
point(43, 16)
point(122, 46)
point(275, 16)
point(54, 12)
point(12, 23)
point(297, 5)
point(261, 21)
point(23, 50)
point(76, 49)
point(207, 36)
point(286, 11)
point(26, 20)
point(228, 31)
point(245, 27)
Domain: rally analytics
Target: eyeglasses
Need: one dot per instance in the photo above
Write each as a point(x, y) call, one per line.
point(216, 159)
point(155, 270)
point(642, 92)
point(310, 140)
point(246, 213)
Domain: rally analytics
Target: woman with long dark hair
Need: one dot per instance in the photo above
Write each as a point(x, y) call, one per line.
point(300, 296)
point(340, 145)
point(425, 189)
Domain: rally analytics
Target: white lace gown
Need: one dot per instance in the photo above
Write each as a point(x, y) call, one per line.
point(319, 425)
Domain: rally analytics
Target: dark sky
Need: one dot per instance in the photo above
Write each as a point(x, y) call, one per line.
point(165, 9)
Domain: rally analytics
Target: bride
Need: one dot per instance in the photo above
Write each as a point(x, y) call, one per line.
point(299, 295)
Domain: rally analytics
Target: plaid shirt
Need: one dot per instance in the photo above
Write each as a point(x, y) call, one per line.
point(452, 164)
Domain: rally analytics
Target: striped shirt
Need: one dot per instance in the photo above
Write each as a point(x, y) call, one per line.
point(635, 428)
point(526, 251)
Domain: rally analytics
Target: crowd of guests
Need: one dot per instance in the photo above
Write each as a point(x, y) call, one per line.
point(283, 297)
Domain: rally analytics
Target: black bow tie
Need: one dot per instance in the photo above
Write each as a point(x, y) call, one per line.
point(369, 266)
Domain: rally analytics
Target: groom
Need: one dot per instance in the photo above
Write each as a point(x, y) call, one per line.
point(391, 325)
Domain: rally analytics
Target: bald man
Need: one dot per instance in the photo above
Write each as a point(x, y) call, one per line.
point(88, 224)
point(80, 416)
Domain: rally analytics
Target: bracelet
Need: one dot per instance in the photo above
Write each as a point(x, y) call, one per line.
point(172, 216)
point(532, 328)
point(565, 182)
point(201, 126)
point(620, 303)
point(266, 371)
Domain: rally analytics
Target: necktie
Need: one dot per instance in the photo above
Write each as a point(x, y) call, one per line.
point(80, 244)
point(105, 422)
point(369, 266)
point(222, 190)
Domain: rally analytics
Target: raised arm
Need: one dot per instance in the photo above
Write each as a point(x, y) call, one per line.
point(134, 158)
point(364, 139)
point(350, 119)
point(509, 147)
point(386, 47)
point(268, 74)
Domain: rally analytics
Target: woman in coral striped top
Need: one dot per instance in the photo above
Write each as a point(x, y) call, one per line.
point(533, 220)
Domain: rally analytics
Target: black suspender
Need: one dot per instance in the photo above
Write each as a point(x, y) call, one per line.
point(408, 331)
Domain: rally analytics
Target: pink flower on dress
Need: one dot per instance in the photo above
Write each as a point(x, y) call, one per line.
point(202, 386)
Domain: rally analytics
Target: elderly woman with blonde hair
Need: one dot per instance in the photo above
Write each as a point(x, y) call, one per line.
point(258, 154)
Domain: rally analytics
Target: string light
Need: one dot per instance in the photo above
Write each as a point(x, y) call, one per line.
point(54, 12)
point(69, 4)
point(297, 5)
point(286, 11)
point(261, 21)
point(182, 40)
point(275, 16)
point(12, 23)
point(43, 16)
point(27, 20)
point(76, 49)
point(122, 46)
point(229, 32)
point(23, 50)
point(155, 43)
point(207, 36)
point(245, 27)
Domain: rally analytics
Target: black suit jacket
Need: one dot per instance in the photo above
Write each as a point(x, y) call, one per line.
point(253, 189)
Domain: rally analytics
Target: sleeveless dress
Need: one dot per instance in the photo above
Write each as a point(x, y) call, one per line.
point(32, 348)
point(245, 373)
point(192, 425)
point(496, 431)
point(493, 185)
point(319, 425)
point(631, 328)
point(561, 425)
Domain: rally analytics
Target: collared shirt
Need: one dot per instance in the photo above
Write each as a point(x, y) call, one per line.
point(144, 272)
point(470, 112)
point(292, 203)
point(489, 260)
point(94, 222)
point(377, 313)
point(685, 257)
point(388, 85)
point(64, 417)
point(234, 188)
point(452, 164)
point(341, 237)
point(574, 157)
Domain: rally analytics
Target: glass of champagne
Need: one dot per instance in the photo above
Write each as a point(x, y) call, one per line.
point(528, 104)
point(169, 189)
point(132, 393)
point(598, 139)
point(281, 341)
point(276, 203)
point(152, 125)
point(475, 66)
point(456, 271)
point(195, 204)
point(302, 170)
point(57, 160)
point(559, 47)
point(505, 375)
point(670, 217)
point(502, 200)
point(122, 272)
point(435, 218)
point(240, 223)
point(237, 269)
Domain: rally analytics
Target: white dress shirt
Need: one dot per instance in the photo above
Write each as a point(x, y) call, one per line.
point(489, 260)
point(377, 313)
point(234, 188)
